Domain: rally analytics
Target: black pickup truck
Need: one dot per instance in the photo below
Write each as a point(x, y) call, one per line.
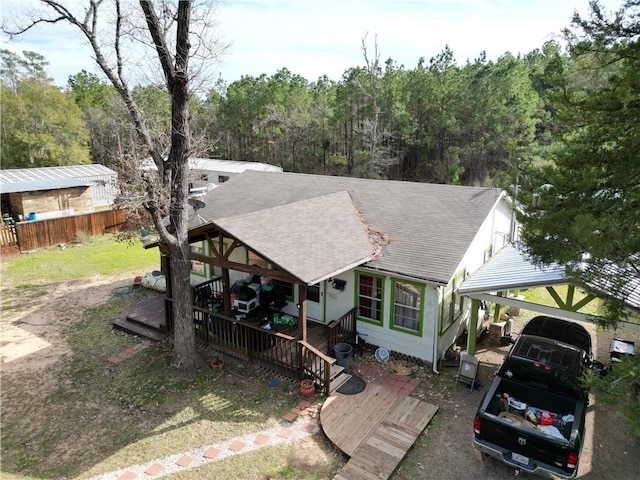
point(532, 416)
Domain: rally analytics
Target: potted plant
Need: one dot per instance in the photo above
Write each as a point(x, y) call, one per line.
point(307, 388)
point(217, 362)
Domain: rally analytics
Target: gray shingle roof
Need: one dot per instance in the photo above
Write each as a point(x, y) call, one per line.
point(429, 226)
point(311, 247)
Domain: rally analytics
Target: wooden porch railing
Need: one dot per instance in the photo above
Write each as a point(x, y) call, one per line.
point(276, 351)
point(8, 236)
point(342, 330)
point(208, 293)
point(316, 366)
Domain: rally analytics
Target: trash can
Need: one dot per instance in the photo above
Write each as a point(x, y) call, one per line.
point(343, 354)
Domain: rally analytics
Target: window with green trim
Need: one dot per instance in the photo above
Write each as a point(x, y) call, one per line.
point(453, 305)
point(369, 297)
point(198, 268)
point(407, 305)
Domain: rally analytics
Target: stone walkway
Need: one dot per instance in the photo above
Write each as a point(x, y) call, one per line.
point(301, 422)
point(305, 424)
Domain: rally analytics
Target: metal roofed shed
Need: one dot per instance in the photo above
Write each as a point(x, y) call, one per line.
point(40, 185)
point(101, 179)
point(208, 173)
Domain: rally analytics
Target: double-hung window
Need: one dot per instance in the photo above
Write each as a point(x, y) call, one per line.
point(452, 304)
point(197, 267)
point(408, 300)
point(370, 297)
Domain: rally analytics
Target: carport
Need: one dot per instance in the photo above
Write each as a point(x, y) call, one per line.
point(498, 281)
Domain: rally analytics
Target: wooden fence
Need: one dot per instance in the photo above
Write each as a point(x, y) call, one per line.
point(46, 233)
point(8, 237)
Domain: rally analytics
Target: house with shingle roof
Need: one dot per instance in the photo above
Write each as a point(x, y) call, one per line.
point(393, 251)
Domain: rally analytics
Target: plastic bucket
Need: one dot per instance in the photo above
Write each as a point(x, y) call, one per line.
point(382, 355)
point(343, 354)
point(31, 216)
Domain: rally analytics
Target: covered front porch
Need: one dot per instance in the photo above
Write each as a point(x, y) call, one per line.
point(235, 251)
point(287, 345)
point(253, 337)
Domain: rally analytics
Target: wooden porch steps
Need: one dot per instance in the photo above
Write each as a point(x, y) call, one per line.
point(337, 375)
point(338, 381)
point(145, 319)
point(131, 326)
point(335, 370)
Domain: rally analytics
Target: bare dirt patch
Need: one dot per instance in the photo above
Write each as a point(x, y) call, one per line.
point(445, 449)
point(34, 320)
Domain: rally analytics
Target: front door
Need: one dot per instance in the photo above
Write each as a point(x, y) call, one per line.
point(315, 302)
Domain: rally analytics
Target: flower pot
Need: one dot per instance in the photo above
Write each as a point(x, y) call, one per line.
point(217, 362)
point(307, 388)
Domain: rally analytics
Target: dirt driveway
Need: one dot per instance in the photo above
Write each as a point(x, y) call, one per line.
point(444, 451)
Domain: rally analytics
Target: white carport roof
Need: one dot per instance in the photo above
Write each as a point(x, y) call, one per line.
point(510, 269)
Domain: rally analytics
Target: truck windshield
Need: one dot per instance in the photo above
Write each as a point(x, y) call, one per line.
point(549, 352)
point(543, 376)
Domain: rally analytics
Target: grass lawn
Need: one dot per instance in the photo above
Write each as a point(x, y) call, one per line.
point(96, 256)
point(543, 297)
point(84, 416)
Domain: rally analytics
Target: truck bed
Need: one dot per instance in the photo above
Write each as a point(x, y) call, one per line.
point(561, 410)
point(506, 433)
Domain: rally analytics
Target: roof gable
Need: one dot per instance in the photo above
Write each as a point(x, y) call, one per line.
point(310, 247)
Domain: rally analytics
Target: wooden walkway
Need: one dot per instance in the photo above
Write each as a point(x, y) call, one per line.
point(375, 428)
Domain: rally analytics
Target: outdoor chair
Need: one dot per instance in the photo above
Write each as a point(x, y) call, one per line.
point(468, 370)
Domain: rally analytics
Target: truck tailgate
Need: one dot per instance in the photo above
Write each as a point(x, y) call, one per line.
point(524, 445)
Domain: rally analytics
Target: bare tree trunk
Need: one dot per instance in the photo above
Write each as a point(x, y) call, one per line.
point(176, 174)
point(184, 355)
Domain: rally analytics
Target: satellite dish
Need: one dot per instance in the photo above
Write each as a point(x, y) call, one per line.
point(196, 204)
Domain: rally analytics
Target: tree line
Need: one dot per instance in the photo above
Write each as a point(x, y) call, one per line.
point(437, 122)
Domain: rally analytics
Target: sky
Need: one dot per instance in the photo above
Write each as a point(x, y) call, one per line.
point(313, 38)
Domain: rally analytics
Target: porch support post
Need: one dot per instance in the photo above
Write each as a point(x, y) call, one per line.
point(165, 267)
point(226, 292)
point(496, 314)
point(302, 312)
point(473, 327)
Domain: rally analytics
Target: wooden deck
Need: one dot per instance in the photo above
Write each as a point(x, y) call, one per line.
point(375, 428)
point(147, 319)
